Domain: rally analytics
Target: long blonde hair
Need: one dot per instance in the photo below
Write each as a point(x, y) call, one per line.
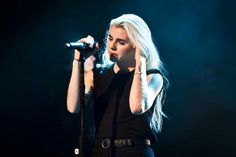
point(140, 36)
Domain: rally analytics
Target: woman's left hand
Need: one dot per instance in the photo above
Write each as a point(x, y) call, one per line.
point(139, 55)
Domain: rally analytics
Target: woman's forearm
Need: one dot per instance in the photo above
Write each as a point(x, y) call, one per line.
point(74, 89)
point(138, 93)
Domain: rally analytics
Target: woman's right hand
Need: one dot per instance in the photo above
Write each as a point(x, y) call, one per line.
point(89, 62)
point(88, 40)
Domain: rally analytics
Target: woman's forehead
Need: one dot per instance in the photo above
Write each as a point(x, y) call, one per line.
point(118, 32)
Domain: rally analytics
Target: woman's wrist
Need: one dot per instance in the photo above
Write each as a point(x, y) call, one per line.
point(138, 73)
point(76, 59)
point(76, 62)
point(140, 67)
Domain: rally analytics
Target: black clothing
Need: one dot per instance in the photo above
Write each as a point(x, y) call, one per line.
point(136, 151)
point(112, 115)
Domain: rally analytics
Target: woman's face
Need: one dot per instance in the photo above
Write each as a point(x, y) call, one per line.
point(119, 46)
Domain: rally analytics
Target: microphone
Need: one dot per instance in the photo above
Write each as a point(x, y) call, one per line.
point(79, 46)
point(84, 49)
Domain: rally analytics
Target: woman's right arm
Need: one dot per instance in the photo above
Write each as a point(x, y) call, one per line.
point(74, 86)
point(73, 93)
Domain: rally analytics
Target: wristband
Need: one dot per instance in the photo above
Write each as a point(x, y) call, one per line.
point(138, 73)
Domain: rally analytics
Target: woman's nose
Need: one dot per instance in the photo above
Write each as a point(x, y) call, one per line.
point(112, 45)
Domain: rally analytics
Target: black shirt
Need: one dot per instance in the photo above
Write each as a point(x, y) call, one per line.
point(112, 115)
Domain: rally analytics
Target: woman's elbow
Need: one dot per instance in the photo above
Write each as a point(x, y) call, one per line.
point(136, 110)
point(71, 107)
point(137, 107)
point(71, 110)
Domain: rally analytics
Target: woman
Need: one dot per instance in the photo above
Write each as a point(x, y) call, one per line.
point(128, 89)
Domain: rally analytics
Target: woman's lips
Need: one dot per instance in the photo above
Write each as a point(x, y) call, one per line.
point(113, 54)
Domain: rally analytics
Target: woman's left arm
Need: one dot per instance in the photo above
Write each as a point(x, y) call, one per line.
point(144, 88)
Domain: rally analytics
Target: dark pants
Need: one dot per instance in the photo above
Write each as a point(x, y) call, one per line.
point(126, 151)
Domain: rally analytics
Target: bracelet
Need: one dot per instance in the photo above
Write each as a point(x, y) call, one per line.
point(138, 73)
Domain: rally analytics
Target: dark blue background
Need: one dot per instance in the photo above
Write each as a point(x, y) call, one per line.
point(196, 40)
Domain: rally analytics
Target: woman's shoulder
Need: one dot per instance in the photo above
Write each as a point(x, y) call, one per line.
point(153, 71)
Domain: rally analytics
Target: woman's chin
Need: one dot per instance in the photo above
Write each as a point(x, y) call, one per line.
point(113, 58)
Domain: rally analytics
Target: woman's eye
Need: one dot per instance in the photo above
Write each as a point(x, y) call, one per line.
point(122, 42)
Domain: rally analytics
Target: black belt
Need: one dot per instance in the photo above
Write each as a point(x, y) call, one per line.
point(107, 143)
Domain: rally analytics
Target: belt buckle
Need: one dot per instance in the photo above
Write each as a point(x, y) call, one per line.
point(120, 142)
point(106, 143)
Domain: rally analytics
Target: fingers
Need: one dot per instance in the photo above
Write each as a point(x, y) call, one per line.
point(139, 53)
point(91, 58)
point(89, 63)
point(88, 40)
point(97, 45)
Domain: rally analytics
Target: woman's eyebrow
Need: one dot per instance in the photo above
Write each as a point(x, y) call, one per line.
point(119, 39)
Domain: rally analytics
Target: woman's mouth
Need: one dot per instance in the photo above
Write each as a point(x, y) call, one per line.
point(113, 57)
point(113, 54)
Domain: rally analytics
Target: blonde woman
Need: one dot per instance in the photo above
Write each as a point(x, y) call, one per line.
point(128, 90)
